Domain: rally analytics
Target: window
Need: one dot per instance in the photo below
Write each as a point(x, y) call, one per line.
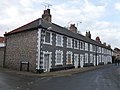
point(102, 50)
point(99, 49)
point(86, 46)
point(59, 40)
point(81, 45)
point(69, 42)
point(59, 57)
point(76, 44)
point(91, 58)
point(86, 58)
point(48, 38)
point(91, 47)
point(94, 48)
point(109, 52)
point(69, 57)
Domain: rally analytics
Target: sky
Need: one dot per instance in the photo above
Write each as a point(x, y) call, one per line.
point(100, 17)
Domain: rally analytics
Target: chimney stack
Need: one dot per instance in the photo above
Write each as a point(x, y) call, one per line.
point(73, 28)
point(46, 15)
point(88, 34)
point(98, 39)
point(109, 46)
point(104, 43)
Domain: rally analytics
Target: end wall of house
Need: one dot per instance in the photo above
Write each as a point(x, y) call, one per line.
point(1, 56)
point(21, 47)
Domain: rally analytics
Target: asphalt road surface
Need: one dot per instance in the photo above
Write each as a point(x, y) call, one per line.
point(105, 78)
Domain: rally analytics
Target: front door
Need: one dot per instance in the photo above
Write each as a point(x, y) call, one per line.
point(76, 60)
point(46, 63)
point(81, 60)
point(94, 60)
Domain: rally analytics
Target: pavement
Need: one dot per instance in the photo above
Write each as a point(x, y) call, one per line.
point(56, 73)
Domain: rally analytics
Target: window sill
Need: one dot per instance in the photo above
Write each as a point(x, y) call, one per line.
point(47, 43)
point(59, 45)
point(76, 48)
point(58, 64)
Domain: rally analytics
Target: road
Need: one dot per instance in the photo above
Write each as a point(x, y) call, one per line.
point(105, 78)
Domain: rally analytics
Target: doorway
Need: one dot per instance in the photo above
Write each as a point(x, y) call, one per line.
point(81, 60)
point(76, 60)
point(46, 61)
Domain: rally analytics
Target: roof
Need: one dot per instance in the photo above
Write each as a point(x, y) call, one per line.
point(41, 23)
point(28, 26)
point(1, 39)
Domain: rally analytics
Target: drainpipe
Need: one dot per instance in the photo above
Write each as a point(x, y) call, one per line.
point(4, 58)
point(96, 56)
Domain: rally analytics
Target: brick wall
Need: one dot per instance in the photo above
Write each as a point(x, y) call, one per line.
point(21, 47)
point(1, 56)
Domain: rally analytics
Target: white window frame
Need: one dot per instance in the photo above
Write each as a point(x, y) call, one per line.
point(76, 55)
point(91, 47)
point(77, 44)
point(81, 42)
point(94, 60)
point(50, 38)
point(61, 42)
point(94, 48)
point(102, 50)
point(56, 58)
point(86, 46)
point(86, 57)
point(97, 49)
point(69, 52)
point(91, 58)
point(68, 42)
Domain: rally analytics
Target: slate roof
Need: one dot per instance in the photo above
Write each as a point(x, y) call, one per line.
point(29, 26)
point(41, 23)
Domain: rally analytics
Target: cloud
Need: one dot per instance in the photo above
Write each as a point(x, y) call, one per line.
point(14, 14)
point(107, 32)
point(117, 6)
point(91, 13)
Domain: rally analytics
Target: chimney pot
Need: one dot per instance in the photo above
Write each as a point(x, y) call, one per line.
point(98, 39)
point(88, 34)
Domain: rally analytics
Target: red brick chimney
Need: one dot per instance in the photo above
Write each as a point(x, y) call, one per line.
point(73, 28)
point(98, 39)
point(88, 34)
point(46, 15)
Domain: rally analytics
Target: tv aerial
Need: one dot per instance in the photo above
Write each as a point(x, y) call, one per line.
point(46, 5)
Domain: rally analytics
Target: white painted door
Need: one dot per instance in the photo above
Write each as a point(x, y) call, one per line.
point(81, 60)
point(46, 63)
point(97, 59)
point(76, 60)
point(94, 60)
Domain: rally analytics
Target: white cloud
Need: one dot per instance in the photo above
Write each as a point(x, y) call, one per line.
point(117, 6)
point(92, 11)
point(15, 13)
point(110, 37)
point(26, 3)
